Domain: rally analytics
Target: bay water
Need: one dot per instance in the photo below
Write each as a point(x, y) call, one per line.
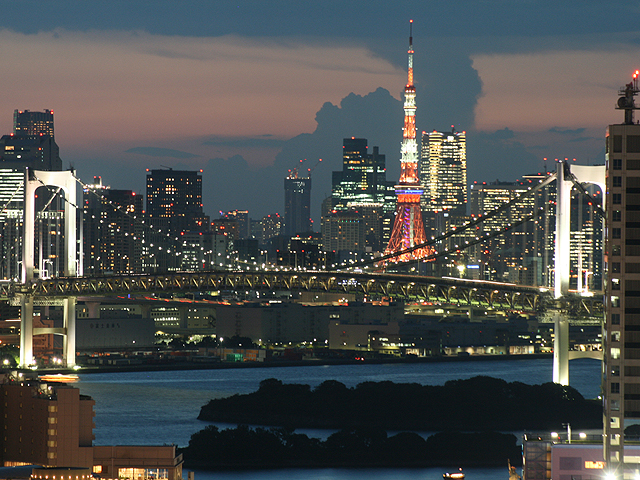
point(161, 407)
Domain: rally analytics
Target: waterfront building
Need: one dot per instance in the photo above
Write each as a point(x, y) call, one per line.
point(621, 369)
point(280, 323)
point(50, 424)
point(443, 172)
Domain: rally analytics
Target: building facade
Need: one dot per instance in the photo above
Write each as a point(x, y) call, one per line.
point(621, 369)
point(50, 424)
point(174, 201)
point(297, 204)
point(443, 171)
point(33, 124)
point(113, 230)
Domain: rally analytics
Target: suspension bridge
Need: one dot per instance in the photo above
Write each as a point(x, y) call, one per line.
point(555, 304)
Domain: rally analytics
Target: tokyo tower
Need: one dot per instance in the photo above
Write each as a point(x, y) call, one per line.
point(408, 229)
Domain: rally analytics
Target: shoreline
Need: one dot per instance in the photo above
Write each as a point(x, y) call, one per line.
point(277, 364)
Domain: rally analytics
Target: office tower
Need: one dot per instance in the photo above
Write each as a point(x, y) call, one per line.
point(343, 232)
point(621, 342)
point(226, 226)
point(363, 179)
point(203, 251)
point(408, 229)
point(361, 186)
point(270, 226)
point(112, 237)
point(174, 201)
point(243, 220)
point(443, 172)
point(297, 204)
point(33, 124)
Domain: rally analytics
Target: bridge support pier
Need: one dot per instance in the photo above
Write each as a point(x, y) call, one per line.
point(560, 348)
point(26, 330)
point(69, 342)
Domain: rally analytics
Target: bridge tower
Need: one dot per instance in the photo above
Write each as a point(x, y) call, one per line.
point(66, 182)
point(408, 229)
point(564, 183)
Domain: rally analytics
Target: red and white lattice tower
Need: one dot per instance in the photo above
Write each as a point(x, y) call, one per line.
point(408, 229)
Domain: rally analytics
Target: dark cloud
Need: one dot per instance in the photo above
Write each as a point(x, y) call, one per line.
point(330, 18)
point(160, 152)
point(378, 117)
point(268, 141)
point(498, 155)
point(498, 135)
point(567, 131)
point(581, 139)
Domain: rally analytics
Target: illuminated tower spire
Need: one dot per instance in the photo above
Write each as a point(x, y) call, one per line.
point(408, 229)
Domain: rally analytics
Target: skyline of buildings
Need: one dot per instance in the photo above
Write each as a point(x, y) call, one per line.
point(174, 207)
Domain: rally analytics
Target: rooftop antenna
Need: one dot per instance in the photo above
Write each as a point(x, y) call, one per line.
point(626, 101)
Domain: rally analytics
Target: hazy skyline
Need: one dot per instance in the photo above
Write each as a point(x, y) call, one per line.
point(244, 90)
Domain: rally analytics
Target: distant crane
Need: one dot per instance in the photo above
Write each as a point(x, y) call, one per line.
point(296, 171)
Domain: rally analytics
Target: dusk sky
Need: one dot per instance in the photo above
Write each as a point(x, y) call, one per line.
point(244, 90)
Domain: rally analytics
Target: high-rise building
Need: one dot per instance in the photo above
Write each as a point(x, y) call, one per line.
point(621, 342)
point(270, 227)
point(361, 187)
point(408, 229)
point(443, 172)
point(33, 124)
point(363, 178)
point(343, 232)
point(112, 235)
point(513, 256)
point(174, 201)
point(297, 204)
point(243, 220)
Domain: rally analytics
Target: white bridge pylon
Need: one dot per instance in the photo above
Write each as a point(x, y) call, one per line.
point(67, 183)
point(583, 174)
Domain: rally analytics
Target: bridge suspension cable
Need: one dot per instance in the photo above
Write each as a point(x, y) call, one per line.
point(457, 230)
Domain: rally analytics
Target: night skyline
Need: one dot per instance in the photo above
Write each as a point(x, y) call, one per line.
point(246, 90)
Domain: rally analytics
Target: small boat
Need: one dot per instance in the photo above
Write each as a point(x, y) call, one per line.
point(459, 475)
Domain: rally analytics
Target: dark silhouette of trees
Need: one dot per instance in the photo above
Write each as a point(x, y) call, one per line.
point(243, 448)
point(479, 404)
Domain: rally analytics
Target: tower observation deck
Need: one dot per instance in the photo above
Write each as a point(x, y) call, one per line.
point(408, 229)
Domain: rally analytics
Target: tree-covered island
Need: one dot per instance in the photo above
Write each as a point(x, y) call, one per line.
point(363, 415)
